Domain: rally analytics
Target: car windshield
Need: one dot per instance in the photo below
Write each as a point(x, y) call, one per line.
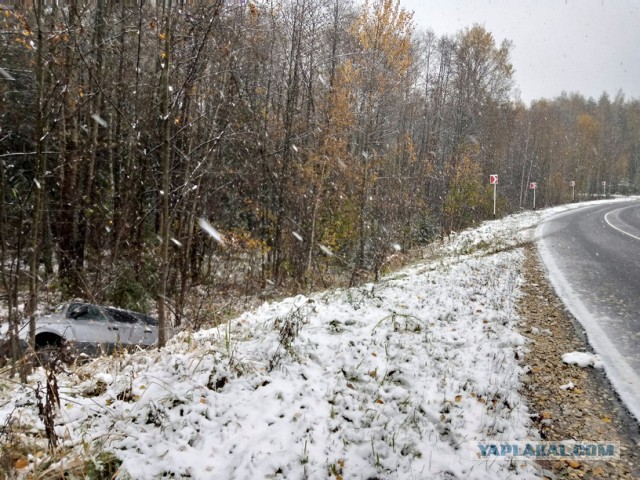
point(59, 308)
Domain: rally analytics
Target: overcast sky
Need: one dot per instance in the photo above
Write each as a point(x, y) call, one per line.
point(586, 46)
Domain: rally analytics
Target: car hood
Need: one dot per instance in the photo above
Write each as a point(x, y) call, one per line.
point(50, 319)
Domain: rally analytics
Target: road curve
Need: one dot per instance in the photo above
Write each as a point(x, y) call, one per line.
point(592, 255)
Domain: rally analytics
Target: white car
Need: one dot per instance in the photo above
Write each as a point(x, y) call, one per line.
point(92, 329)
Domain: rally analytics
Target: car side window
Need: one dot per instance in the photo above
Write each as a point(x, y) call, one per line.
point(148, 320)
point(122, 316)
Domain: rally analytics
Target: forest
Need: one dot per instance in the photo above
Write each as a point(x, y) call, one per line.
point(178, 156)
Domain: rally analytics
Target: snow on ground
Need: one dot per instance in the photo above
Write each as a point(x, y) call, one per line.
point(582, 359)
point(567, 386)
point(396, 380)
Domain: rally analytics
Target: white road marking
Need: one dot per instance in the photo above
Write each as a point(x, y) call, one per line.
point(616, 228)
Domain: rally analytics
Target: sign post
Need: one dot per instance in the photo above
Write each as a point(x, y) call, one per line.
point(533, 186)
point(604, 188)
point(572, 184)
point(493, 180)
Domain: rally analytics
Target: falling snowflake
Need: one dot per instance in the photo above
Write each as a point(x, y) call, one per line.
point(99, 120)
point(212, 232)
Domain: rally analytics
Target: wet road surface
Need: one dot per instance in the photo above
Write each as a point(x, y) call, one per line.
point(593, 258)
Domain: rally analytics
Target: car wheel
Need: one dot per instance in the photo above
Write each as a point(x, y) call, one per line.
point(48, 356)
point(52, 352)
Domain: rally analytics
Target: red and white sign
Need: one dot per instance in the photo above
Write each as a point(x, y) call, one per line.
point(493, 179)
point(604, 183)
point(572, 183)
point(533, 185)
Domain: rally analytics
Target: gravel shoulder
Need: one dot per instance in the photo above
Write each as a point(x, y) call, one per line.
point(591, 410)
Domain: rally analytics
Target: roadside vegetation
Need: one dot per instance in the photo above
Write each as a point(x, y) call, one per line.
point(319, 140)
point(393, 379)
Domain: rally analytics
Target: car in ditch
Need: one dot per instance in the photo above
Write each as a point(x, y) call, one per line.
point(85, 328)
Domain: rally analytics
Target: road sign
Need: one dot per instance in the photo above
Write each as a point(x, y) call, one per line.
point(572, 183)
point(493, 180)
point(604, 183)
point(533, 186)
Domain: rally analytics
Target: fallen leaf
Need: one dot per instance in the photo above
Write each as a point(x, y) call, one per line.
point(573, 463)
point(458, 398)
point(22, 463)
point(598, 471)
point(546, 415)
point(379, 400)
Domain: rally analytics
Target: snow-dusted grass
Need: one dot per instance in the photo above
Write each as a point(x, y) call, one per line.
point(399, 379)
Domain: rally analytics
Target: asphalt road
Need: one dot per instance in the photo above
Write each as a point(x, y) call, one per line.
point(593, 258)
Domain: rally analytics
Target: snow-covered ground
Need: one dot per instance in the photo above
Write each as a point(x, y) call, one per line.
point(397, 380)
